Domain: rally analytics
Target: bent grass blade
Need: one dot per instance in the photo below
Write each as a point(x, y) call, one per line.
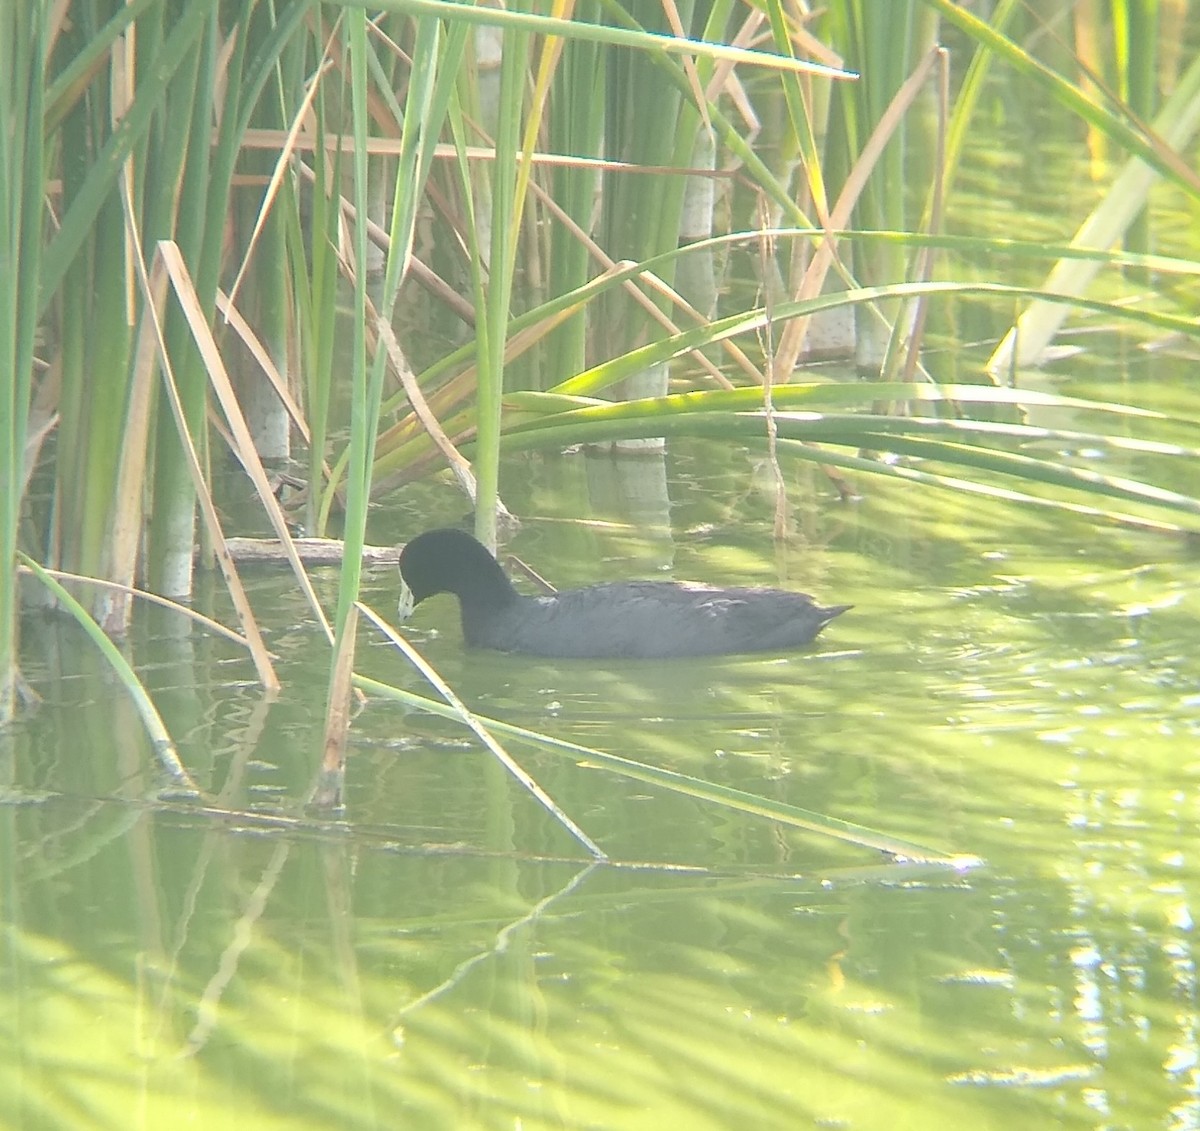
point(164, 745)
point(456, 709)
point(740, 800)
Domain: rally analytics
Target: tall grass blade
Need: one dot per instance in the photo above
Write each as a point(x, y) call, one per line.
point(23, 45)
point(505, 205)
point(364, 411)
point(78, 221)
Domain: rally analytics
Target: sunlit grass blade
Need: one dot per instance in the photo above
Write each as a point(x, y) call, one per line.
point(601, 33)
point(1140, 142)
point(683, 783)
point(833, 394)
point(602, 376)
point(958, 443)
point(832, 457)
point(1105, 226)
point(954, 440)
point(454, 395)
point(442, 395)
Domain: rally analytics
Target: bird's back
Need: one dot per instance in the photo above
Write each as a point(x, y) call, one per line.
point(651, 619)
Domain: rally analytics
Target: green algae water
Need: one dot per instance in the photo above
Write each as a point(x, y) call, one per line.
point(1015, 685)
point(1012, 685)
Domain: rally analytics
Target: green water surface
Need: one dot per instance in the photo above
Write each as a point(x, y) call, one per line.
point(1019, 686)
point(1014, 684)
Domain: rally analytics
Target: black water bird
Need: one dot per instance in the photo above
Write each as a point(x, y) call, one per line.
point(634, 619)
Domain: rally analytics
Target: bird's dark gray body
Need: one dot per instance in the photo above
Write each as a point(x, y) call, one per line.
point(619, 619)
point(649, 620)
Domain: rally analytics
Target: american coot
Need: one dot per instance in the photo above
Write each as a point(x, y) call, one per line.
point(645, 619)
